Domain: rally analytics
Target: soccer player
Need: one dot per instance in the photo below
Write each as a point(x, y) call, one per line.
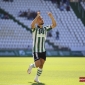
point(39, 36)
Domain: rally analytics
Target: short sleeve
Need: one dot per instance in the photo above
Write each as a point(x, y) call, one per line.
point(33, 29)
point(48, 28)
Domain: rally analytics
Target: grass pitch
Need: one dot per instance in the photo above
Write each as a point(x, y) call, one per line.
point(56, 71)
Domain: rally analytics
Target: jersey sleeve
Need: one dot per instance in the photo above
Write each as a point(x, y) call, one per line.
point(48, 28)
point(33, 29)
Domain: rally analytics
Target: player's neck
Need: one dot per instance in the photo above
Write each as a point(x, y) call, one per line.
point(40, 26)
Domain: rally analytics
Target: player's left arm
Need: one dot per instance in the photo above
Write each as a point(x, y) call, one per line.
point(54, 24)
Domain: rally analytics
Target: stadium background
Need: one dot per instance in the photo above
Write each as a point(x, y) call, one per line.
point(67, 39)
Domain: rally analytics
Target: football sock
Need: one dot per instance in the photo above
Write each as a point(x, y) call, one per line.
point(33, 65)
point(39, 72)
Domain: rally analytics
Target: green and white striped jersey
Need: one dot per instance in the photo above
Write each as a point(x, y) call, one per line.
point(39, 37)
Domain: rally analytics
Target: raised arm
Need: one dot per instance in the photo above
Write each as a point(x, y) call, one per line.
point(35, 20)
point(53, 20)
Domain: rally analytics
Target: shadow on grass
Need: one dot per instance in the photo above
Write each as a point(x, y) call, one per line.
point(37, 84)
point(34, 83)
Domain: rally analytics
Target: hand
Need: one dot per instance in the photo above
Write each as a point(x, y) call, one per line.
point(38, 13)
point(52, 19)
point(50, 14)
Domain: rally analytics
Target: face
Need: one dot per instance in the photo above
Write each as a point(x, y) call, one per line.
point(40, 21)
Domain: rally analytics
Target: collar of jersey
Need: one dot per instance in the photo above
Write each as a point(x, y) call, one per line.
point(39, 27)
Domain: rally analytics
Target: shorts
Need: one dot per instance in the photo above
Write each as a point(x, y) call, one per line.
point(37, 55)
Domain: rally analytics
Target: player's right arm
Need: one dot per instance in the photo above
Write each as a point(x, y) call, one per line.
point(35, 21)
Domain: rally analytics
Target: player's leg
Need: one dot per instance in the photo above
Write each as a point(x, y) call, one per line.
point(35, 64)
point(42, 63)
point(39, 59)
point(42, 60)
point(39, 70)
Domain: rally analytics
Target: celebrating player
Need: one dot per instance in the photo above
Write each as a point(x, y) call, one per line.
point(39, 36)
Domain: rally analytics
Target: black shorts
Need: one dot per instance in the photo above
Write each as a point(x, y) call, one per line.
point(37, 55)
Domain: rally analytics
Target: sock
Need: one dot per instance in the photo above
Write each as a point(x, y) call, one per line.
point(33, 65)
point(39, 72)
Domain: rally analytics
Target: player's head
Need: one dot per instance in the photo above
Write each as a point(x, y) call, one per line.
point(40, 20)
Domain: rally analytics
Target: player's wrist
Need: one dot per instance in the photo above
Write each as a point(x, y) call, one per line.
point(51, 17)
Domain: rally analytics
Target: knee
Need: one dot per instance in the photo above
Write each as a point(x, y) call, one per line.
point(37, 64)
point(41, 66)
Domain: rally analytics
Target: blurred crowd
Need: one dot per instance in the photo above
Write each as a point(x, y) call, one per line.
point(62, 4)
point(82, 0)
point(28, 14)
point(4, 16)
point(8, 0)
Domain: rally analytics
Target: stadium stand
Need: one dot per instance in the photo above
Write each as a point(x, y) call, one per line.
point(83, 4)
point(11, 35)
point(71, 29)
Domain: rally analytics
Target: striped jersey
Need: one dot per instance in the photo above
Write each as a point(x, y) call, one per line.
point(39, 37)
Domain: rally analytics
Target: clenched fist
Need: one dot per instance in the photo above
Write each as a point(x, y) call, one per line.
point(38, 13)
point(50, 14)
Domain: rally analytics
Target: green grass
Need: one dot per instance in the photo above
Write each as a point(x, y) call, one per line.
point(56, 71)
